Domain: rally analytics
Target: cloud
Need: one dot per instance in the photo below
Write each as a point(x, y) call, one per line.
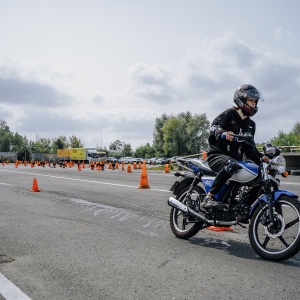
point(25, 92)
point(206, 78)
point(152, 82)
point(202, 81)
point(281, 35)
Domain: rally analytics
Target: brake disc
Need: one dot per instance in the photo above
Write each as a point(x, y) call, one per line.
point(279, 232)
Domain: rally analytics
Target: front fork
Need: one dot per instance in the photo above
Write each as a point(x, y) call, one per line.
point(268, 193)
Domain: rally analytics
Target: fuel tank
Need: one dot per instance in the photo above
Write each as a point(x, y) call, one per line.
point(247, 173)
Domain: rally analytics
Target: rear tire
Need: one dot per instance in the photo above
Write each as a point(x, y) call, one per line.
point(180, 224)
point(282, 240)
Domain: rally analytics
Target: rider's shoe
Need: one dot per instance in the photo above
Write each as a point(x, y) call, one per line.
point(211, 202)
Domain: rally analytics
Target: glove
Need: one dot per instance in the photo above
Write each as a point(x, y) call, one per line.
point(265, 159)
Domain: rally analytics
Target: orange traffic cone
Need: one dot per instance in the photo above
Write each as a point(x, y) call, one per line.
point(217, 228)
point(129, 168)
point(144, 178)
point(35, 187)
point(79, 167)
point(123, 165)
point(166, 169)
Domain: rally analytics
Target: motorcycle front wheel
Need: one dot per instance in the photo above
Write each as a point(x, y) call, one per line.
point(184, 227)
point(281, 240)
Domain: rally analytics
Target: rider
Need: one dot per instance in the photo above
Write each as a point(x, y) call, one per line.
point(223, 153)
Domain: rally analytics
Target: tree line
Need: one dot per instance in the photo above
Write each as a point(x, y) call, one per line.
point(180, 135)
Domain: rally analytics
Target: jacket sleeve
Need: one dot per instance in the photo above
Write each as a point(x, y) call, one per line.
point(218, 124)
point(251, 151)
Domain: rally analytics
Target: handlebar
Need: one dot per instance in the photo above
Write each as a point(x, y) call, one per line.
point(240, 138)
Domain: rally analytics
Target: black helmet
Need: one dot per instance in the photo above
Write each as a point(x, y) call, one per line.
point(242, 94)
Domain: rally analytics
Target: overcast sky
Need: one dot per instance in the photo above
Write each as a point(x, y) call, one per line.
point(105, 69)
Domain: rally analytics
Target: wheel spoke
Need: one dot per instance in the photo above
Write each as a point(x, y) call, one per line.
point(284, 242)
point(266, 241)
point(290, 224)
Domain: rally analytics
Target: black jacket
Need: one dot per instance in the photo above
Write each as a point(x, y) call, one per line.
point(230, 120)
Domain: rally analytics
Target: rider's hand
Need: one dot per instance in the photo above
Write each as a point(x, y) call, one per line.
point(265, 159)
point(229, 136)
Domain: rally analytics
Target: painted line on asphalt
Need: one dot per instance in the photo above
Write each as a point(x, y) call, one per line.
point(9, 291)
point(3, 183)
point(83, 180)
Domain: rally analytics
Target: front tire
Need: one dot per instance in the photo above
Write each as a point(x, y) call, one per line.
point(181, 226)
point(280, 241)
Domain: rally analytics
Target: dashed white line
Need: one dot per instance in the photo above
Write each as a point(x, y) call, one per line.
point(9, 291)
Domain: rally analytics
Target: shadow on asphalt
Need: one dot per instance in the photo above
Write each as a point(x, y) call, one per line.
point(238, 249)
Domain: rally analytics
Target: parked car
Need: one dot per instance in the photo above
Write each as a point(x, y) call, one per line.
point(112, 159)
point(162, 161)
point(152, 161)
point(126, 159)
point(132, 160)
point(174, 159)
point(139, 160)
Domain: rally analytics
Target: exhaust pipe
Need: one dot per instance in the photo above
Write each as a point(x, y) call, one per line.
point(187, 210)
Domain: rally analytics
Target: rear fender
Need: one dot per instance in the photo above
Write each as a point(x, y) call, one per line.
point(185, 179)
point(275, 196)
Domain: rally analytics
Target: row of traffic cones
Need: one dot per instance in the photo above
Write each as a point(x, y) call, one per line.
point(143, 185)
point(143, 181)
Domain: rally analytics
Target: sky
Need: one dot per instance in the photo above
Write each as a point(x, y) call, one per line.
point(104, 70)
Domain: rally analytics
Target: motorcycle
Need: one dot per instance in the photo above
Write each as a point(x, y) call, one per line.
point(251, 196)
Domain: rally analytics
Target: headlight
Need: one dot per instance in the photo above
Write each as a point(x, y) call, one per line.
point(279, 164)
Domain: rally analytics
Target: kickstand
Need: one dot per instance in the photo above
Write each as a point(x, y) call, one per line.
point(241, 225)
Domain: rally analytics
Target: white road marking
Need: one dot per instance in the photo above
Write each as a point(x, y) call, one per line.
point(82, 180)
point(3, 183)
point(9, 291)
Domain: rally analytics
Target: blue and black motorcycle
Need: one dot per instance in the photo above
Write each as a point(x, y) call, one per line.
point(251, 196)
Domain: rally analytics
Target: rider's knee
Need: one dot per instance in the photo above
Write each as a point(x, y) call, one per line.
point(232, 166)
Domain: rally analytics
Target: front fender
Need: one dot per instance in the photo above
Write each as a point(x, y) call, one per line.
point(275, 196)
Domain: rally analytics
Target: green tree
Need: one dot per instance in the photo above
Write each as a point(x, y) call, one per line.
point(127, 150)
point(296, 129)
point(197, 132)
point(145, 151)
point(17, 142)
point(158, 135)
point(5, 137)
point(43, 145)
point(24, 153)
point(291, 138)
point(59, 143)
point(116, 145)
point(173, 137)
point(185, 134)
point(75, 142)
point(5, 141)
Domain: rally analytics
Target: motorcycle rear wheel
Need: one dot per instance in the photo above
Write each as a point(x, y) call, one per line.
point(282, 240)
point(180, 224)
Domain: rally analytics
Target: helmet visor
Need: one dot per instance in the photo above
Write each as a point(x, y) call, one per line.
point(255, 94)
